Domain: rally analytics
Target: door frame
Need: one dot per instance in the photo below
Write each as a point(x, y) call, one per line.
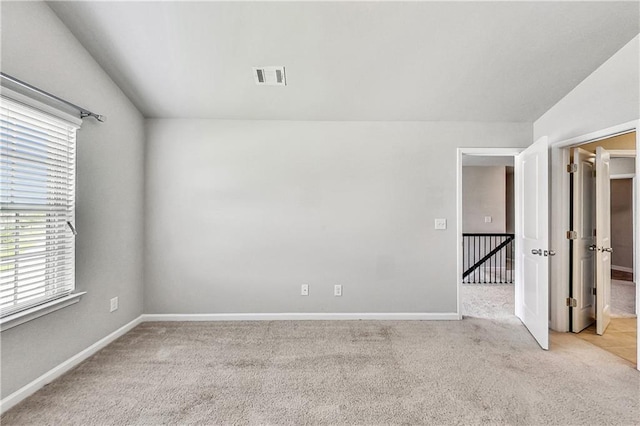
point(559, 214)
point(480, 152)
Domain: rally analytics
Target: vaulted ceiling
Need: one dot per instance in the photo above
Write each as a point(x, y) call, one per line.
point(452, 61)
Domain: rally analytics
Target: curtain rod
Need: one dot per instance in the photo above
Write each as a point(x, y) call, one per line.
point(83, 111)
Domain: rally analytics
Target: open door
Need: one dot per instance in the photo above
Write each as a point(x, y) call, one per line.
point(532, 239)
point(583, 253)
point(603, 240)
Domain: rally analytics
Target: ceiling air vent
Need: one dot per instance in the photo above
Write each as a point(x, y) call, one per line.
point(269, 76)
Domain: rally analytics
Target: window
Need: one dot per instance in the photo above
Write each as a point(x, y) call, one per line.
point(37, 206)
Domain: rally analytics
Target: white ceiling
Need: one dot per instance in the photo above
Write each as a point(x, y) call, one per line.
point(451, 61)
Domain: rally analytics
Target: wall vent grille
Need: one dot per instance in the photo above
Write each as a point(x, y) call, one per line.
point(269, 76)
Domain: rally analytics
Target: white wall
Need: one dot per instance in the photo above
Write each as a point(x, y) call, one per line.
point(241, 213)
point(38, 48)
point(484, 194)
point(609, 96)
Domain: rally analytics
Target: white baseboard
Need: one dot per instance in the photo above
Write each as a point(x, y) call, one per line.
point(67, 365)
point(294, 316)
point(622, 268)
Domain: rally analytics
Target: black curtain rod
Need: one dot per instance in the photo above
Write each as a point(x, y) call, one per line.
point(83, 111)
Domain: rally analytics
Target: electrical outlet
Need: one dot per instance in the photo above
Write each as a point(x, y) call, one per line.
point(304, 290)
point(337, 290)
point(440, 224)
point(114, 304)
point(487, 219)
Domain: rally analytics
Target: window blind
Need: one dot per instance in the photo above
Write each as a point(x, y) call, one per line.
point(37, 206)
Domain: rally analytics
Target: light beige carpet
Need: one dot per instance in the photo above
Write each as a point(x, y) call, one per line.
point(623, 299)
point(490, 301)
point(341, 372)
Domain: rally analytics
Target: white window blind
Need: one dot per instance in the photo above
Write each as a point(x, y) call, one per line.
point(37, 206)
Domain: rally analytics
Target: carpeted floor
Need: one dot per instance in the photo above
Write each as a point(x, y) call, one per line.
point(623, 299)
point(496, 300)
point(341, 372)
point(489, 301)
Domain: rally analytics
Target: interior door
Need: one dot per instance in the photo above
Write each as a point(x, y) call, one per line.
point(584, 255)
point(603, 240)
point(532, 239)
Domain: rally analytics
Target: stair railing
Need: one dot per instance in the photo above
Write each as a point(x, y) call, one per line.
point(488, 258)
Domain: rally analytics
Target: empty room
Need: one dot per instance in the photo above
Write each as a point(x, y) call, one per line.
point(302, 212)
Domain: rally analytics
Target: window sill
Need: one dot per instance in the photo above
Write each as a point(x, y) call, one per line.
point(38, 311)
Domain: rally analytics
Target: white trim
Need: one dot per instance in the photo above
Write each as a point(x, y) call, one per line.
point(484, 152)
point(622, 268)
point(620, 129)
point(459, 240)
point(300, 316)
point(622, 153)
point(491, 152)
point(62, 368)
point(623, 176)
point(21, 317)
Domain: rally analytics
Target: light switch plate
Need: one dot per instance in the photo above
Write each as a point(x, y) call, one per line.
point(440, 224)
point(487, 219)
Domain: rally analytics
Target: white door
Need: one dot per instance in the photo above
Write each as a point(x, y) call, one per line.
point(603, 240)
point(584, 255)
point(532, 239)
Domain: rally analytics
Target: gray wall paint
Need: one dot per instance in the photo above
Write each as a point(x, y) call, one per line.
point(241, 213)
point(484, 194)
point(38, 48)
point(622, 222)
point(510, 223)
point(608, 97)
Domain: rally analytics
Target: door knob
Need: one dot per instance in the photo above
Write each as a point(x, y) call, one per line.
point(607, 249)
point(549, 253)
point(537, 251)
point(593, 247)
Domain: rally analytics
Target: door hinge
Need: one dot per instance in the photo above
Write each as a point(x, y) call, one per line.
point(572, 168)
point(593, 291)
point(571, 302)
point(572, 235)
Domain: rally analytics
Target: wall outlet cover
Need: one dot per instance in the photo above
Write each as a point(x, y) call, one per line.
point(337, 290)
point(114, 304)
point(440, 223)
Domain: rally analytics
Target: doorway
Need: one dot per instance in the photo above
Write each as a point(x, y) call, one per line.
point(489, 284)
point(531, 236)
point(623, 279)
point(602, 293)
point(488, 229)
